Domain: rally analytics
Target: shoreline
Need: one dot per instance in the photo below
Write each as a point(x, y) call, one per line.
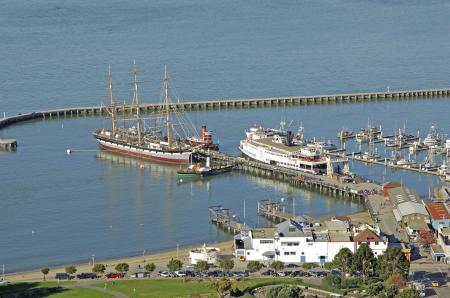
point(137, 262)
point(159, 258)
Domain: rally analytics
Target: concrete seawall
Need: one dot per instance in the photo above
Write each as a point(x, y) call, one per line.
point(235, 104)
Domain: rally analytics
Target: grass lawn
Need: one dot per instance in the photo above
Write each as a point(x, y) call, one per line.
point(67, 293)
point(159, 288)
point(80, 292)
point(179, 287)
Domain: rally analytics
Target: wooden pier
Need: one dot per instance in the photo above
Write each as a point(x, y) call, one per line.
point(332, 186)
point(8, 144)
point(234, 104)
point(273, 210)
point(225, 218)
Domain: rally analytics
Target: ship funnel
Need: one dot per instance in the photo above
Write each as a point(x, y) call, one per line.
point(203, 132)
point(208, 162)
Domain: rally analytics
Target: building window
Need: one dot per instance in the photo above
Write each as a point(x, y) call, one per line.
point(303, 253)
point(265, 241)
point(293, 253)
point(359, 243)
point(376, 243)
point(286, 253)
point(248, 253)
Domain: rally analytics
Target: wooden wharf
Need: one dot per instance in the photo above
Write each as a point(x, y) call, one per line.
point(218, 104)
point(275, 211)
point(332, 186)
point(225, 218)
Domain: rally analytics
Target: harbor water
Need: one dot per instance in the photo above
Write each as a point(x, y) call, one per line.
point(57, 208)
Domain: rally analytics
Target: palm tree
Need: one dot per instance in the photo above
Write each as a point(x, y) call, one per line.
point(45, 271)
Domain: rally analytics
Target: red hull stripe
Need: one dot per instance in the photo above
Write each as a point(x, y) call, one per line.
point(143, 156)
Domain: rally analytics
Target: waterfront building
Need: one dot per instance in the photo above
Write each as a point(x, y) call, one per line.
point(299, 241)
point(441, 250)
point(204, 253)
point(439, 215)
point(409, 209)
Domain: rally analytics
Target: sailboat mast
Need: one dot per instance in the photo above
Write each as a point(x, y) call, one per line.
point(138, 110)
point(167, 107)
point(111, 103)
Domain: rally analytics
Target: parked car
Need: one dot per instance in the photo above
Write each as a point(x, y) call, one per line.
point(180, 273)
point(62, 276)
point(87, 275)
point(164, 273)
point(140, 275)
point(268, 272)
point(281, 273)
point(292, 265)
point(115, 275)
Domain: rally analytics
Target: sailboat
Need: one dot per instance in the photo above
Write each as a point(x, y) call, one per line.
point(167, 139)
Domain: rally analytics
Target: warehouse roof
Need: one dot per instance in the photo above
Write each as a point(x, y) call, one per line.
point(438, 211)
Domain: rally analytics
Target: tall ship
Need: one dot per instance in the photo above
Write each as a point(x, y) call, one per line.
point(167, 136)
point(284, 149)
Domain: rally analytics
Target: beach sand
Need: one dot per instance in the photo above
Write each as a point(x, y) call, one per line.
point(160, 259)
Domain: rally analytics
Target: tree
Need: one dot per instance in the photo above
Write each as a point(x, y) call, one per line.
point(343, 260)
point(45, 271)
point(392, 261)
point(364, 261)
point(222, 286)
point(409, 293)
point(389, 292)
point(329, 265)
point(201, 266)
point(308, 266)
point(122, 267)
point(150, 267)
point(254, 266)
point(226, 264)
point(284, 291)
point(71, 269)
point(98, 268)
point(174, 265)
point(375, 289)
point(396, 280)
point(277, 265)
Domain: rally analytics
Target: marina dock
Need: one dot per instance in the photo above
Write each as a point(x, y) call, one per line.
point(233, 104)
point(385, 162)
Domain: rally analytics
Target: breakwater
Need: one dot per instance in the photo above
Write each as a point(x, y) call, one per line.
point(232, 104)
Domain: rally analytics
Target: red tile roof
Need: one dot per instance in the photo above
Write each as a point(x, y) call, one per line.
point(438, 211)
point(367, 236)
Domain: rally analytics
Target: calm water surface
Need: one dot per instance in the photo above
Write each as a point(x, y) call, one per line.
point(57, 209)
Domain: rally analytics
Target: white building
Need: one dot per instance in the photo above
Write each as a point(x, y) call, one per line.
point(297, 241)
point(204, 253)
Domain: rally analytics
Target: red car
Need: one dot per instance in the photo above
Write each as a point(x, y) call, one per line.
point(115, 275)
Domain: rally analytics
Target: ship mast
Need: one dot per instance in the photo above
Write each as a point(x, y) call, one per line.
point(167, 106)
point(136, 102)
point(111, 103)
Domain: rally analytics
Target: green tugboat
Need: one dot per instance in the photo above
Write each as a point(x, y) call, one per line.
point(200, 170)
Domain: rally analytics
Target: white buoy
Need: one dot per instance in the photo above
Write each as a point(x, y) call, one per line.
point(181, 180)
point(68, 151)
